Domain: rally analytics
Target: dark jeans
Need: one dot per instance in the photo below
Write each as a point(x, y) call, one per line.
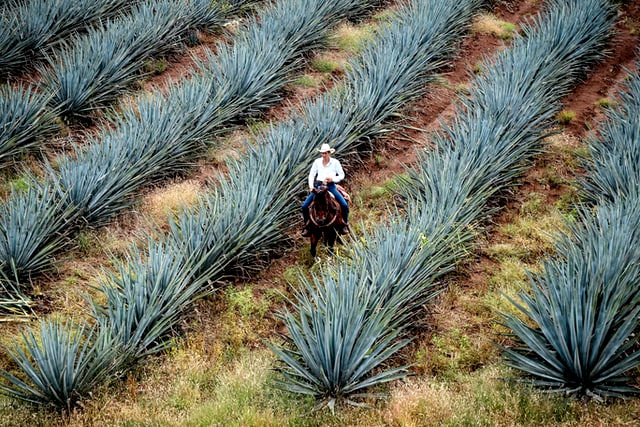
point(331, 187)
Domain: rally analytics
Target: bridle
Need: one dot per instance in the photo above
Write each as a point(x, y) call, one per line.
point(313, 220)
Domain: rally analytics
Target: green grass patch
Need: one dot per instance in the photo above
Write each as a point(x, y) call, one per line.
point(306, 81)
point(605, 103)
point(450, 355)
point(243, 302)
point(533, 205)
point(565, 117)
point(255, 126)
point(378, 196)
point(478, 68)
point(324, 65)
point(18, 183)
point(490, 24)
point(155, 66)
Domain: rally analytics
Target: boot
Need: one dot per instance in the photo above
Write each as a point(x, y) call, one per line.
point(345, 222)
point(344, 229)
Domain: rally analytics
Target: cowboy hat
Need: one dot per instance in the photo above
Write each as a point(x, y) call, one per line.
point(325, 147)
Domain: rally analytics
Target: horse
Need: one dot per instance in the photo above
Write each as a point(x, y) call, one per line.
point(325, 216)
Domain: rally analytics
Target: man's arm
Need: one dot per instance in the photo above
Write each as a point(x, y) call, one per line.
point(312, 174)
point(339, 172)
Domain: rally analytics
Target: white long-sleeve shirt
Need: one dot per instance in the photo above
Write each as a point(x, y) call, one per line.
point(320, 172)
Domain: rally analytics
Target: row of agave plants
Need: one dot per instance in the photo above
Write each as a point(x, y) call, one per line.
point(96, 67)
point(347, 321)
point(162, 134)
point(29, 28)
point(63, 363)
point(90, 70)
point(578, 324)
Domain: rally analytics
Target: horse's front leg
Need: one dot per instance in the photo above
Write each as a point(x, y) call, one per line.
point(330, 235)
point(315, 237)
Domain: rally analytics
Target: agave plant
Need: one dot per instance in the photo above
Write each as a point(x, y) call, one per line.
point(30, 27)
point(333, 353)
point(34, 226)
point(577, 334)
point(62, 364)
point(24, 121)
point(145, 299)
point(93, 69)
point(496, 131)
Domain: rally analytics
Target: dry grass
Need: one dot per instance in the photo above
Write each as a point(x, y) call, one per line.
point(489, 24)
point(351, 38)
point(159, 205)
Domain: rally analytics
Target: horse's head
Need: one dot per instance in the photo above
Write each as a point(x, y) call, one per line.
point(323, 210)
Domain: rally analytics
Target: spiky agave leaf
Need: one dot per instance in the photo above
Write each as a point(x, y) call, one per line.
point(25, 120)
point(60, 364)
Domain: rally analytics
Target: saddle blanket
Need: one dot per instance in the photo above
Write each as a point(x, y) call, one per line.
point(344, 193)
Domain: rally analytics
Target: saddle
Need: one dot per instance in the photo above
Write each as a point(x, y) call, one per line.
point(342, 191)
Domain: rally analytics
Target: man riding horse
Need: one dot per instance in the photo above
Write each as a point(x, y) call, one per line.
point(325, 171)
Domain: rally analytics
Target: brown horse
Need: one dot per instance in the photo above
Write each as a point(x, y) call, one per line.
point(325, 218)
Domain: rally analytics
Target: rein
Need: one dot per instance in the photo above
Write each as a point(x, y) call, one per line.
point(313, 220)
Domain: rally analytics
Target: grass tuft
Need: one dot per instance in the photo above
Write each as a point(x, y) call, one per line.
point(306, 81)
point(350, 38)
point(166, 202)
point(489, 24)
point(155, 66)
point(605, 103)
point(325, 65)
point(565, 117)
